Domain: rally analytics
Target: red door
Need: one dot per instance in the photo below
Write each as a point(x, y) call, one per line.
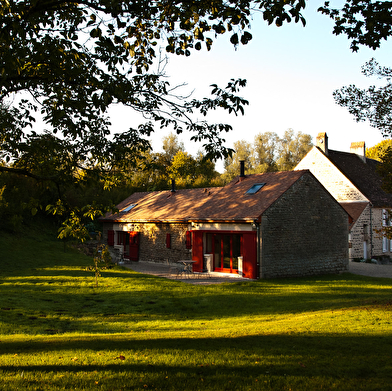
point(134, 240)
point(250, 255)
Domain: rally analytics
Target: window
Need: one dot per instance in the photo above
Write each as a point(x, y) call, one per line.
point(384, 244)
point(122, 237)
point(386, 222)
point(384, 218)
point(128, 208)
point(168, 241)
point(255, 188)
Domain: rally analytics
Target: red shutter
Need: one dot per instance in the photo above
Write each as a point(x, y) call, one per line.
point(168, 241)
point(249, 251)
point(110, 237)
point(134, 240)
point(188, 239)
point(197, 251)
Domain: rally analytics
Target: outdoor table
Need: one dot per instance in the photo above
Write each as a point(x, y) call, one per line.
point(187, 266)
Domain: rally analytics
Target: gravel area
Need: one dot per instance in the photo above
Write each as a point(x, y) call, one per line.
point(370, 269)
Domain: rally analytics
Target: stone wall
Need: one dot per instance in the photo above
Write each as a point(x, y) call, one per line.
point(304, 233)
point(359, 233)
point(153, 240)
point(377, 219)
point(365, 230)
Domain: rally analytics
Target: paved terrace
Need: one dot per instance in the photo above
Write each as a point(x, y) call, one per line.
point(166, 271)
point(163, 270)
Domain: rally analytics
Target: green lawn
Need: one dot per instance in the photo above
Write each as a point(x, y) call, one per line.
point(140, 332)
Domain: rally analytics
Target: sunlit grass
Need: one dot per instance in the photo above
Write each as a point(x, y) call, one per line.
point(59, 332)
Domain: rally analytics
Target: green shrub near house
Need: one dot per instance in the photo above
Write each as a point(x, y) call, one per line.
point(136, 332)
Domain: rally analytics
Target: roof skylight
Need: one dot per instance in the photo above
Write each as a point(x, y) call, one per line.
point(255, 188)
point(128, 208)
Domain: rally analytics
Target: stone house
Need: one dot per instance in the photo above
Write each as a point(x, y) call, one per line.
point(353, 181)
point(267, 225)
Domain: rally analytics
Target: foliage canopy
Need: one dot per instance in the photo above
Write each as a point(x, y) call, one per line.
point(373, 103)
point(75, 59)
point(268, 153)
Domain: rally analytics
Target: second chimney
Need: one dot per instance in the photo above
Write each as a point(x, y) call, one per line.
point(322, 142)
point(359, 149)
point(242, 170)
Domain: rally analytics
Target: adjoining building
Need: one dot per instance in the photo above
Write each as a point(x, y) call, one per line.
point(353, 181)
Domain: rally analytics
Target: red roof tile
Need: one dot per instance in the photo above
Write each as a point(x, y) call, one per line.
point(354, 210)
point(228, 203)
point(232, 203)
point(162, 205)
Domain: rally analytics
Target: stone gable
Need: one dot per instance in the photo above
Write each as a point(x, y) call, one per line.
point(330, 176)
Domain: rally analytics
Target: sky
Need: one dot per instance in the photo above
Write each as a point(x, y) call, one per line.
point(291, 73)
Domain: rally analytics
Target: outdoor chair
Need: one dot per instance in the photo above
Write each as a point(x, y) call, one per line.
point(175, 268)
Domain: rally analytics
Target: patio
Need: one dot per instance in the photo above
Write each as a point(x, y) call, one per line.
point(163, 270)
point(167, 271)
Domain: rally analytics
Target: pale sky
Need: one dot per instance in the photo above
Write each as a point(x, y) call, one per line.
point(291, 71)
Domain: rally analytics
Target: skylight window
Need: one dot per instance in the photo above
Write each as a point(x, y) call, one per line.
point(255, 188)
point(128, 208)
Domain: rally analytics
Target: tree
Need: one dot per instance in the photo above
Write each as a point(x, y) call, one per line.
point(373, 104)
point(377, 151)
point(266, 148)
point(66, 63)
point(243, 151)
point(365, 22)
point(292, 148)
point(183, 168)
point(206, 175)
point(70, 86)
point(171, 146)
point(385, 170)
point(269, 153)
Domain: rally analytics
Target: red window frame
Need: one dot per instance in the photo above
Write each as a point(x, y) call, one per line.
point(188, 239)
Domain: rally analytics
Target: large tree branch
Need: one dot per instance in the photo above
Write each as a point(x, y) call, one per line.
point(24, 172)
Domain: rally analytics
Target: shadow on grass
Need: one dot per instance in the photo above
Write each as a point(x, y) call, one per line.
point(217, 358)
point(56, 308)
point(44, 290)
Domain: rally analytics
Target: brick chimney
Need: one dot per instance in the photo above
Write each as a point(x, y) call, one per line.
point(242, 170)
point(359, 149)
point(322, 142)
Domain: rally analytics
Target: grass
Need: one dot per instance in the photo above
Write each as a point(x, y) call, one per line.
point(140, 332)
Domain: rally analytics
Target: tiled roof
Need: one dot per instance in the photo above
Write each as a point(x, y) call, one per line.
point(162, 205)
point(354, 210)
point(363, 175)
point(228, 203)
point(232, 203)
